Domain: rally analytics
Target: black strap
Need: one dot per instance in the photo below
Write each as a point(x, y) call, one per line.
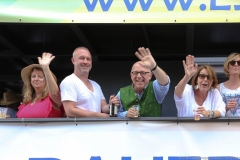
point(154, 68)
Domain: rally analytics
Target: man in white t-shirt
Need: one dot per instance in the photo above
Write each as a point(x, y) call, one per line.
point(82, 97)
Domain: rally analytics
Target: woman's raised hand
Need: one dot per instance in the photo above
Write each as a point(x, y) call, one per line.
point(189, 67)
point(46, 59)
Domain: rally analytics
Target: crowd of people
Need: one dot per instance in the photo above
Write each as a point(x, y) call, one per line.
point(78, 96)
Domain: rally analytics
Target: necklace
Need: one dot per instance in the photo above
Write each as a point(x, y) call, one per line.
point(36, 98)
point(34, 101)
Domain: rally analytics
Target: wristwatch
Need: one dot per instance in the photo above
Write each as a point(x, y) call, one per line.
point(211, 114)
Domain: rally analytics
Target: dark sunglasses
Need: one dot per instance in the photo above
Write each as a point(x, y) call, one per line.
point(234, 62)
point(203, 76)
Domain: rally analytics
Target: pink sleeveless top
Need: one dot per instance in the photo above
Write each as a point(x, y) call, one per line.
point(40, 109)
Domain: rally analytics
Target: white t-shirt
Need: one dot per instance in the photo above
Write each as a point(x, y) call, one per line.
point(228, 94)
point(73, 89)
point(187, 103)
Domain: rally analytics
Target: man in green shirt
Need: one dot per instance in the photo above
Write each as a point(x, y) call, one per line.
point(149, 95)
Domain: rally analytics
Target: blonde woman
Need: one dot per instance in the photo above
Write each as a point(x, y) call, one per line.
point(230, 89)
point(40, 91)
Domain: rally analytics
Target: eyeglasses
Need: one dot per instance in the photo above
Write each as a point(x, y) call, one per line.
point(135, 73)
point(203, 76)
point(234, 62)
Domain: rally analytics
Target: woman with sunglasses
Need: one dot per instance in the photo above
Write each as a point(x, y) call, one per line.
point(230, 90)
point(202, 96)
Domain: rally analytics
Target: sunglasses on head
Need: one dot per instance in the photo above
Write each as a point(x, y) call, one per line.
point(203, 76)
point(234, 62)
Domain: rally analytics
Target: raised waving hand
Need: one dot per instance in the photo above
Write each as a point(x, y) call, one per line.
point(189, 67)
point(146, 57)
point(46, 59)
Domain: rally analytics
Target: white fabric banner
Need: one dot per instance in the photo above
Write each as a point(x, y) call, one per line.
point(139, 140)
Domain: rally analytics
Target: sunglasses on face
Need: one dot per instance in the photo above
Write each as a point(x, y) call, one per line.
point(203, 76)
point(234, 62)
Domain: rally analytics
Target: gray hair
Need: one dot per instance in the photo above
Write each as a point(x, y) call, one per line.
point(78, 49)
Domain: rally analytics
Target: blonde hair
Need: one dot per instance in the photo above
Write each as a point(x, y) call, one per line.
point(29, 92)
point(231, 57)
point(212, 74)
